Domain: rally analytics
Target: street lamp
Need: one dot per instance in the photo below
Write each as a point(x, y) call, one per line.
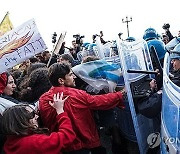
point(127, 22)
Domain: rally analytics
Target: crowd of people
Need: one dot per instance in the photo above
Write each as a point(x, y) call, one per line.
point(46, 109)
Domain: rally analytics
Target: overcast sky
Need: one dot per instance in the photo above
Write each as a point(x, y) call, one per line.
point(90, 17)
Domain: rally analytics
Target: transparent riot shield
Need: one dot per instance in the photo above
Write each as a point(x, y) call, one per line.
point(137, 69)
point(170, 121)
point(173, 43)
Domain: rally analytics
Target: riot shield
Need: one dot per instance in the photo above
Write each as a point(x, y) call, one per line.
point(137, 70)
point(173, 43)
point(170, 121)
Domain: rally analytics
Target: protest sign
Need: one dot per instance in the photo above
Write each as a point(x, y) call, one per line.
point(20, 44)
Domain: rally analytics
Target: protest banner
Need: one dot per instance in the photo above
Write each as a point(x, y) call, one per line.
point(20, 44)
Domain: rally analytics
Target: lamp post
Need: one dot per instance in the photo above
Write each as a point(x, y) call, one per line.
point(127, 22)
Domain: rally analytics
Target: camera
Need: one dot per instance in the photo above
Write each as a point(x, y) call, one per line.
point(166, 26)
point(78, 38)
point(54, 37)
point(94, 36)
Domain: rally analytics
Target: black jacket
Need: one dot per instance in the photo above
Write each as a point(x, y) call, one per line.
point(175, 77)
point(151, 106)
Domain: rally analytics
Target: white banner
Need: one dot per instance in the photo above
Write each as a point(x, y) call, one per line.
point(20, 44)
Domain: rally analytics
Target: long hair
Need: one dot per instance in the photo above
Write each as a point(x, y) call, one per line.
point(36, 84)
point(16, 121)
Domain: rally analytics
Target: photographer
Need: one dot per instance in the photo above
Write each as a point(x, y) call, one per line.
point(167, 32)
point(101, 38)
point(78, 42)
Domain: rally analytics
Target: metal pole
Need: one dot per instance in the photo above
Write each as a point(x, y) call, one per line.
point(4, 18)
point(127, 29)
point(53, 41)
point(127, 22)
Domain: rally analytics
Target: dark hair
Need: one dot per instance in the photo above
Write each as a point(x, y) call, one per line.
point(36, 84)
point(16, 73)
point(34, 66)
point(68, 57)
point(15, 121)
point(34, 59)
point(24, 78)
point(57, 71)
point(44, 53)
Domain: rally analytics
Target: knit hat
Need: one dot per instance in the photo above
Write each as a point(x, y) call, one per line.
point(3, 82)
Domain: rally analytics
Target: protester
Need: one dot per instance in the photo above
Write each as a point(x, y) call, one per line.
point(20, 124)
point(22, 80)
point(105, 119)
point(62, 49)
point(78, 107)
point(36, 84)
point(34, 59)
point(74, 49)
point(47, 57)
point(68, 59)
point(7, 87)
point(2, 137)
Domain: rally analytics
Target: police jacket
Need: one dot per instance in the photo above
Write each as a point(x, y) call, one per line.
point(151, 106)
point(175, 77)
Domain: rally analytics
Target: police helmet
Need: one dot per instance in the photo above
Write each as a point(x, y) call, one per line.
point(176, 55)
point(91, 46)
point(150, 34)
point(85, 44)
point(130, 39)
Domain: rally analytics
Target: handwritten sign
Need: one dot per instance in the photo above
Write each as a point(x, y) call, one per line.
point(20, 44)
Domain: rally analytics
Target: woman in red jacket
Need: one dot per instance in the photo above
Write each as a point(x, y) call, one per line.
point(20, 123)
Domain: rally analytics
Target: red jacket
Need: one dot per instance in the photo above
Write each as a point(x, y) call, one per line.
point(79, 107)
point(41, 143)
